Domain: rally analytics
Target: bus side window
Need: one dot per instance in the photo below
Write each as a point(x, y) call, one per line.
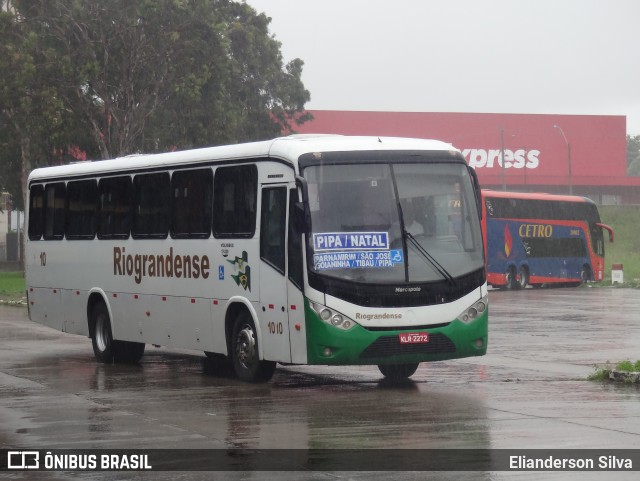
point(296, 274)
point(36, 212)
point(272, 226)
point(114, 219)
point(151, 206)
point(234, 201)
point(54, 204)
point(191, 209)
point(82, 207)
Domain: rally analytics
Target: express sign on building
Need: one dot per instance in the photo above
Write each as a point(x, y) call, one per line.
point(540, 150)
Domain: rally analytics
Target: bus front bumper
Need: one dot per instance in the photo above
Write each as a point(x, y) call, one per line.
point(329, 345)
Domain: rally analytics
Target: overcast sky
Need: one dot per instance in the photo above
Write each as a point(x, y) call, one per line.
point(505, 56)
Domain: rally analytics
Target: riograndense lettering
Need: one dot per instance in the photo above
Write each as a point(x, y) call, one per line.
point(382, 316)
point(139, 266)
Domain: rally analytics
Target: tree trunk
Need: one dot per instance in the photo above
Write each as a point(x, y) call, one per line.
point(25, 154)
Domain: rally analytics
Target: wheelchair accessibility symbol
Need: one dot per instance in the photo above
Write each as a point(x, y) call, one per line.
point(396, 256)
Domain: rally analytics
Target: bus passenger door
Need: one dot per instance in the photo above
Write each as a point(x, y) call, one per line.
point(273, 313)
point(295, 281)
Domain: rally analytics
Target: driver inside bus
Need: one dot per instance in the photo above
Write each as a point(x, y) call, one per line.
point(411, 224)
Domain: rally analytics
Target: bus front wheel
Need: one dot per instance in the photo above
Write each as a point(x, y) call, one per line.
point(244, 352)
point(106, 349)
point(398, 372)
point(585, 274)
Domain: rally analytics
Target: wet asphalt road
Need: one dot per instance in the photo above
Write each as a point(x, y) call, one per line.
point(529, 391)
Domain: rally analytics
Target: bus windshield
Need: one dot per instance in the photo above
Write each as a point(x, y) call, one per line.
point(393, 222)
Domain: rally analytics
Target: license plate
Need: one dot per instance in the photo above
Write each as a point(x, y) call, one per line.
point(413, 337)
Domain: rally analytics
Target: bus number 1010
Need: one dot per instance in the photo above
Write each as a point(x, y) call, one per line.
point(275, 328)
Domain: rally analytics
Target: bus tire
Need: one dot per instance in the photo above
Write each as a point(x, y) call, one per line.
point(510, 278)
point(524, 277)
point(585, 274)
point(397, 372)
point(105, 348)
point(244, 352)
point(101, 336)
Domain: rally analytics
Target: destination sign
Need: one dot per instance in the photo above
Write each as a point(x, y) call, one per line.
point(353, 260)
point(350, 241)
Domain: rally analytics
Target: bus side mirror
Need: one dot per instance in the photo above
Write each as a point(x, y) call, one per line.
point(301, 209)
point(608, 229)
point(476, 190)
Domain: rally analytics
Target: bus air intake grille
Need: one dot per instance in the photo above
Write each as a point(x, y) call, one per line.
point(405, 328)
point(387, 346)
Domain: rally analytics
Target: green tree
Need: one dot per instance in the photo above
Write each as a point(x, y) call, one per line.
point(149, 75)
point(33, 120)
point(244, 91)
point(633, 155)
point(116, 77)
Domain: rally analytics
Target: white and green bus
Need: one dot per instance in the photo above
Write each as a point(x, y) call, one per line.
point(324, 250)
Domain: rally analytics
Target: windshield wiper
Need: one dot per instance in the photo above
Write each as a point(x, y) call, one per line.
point(406, 235)
point(432, 260)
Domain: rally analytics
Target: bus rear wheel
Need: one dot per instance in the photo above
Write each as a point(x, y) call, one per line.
point(105, 348)
point(524, 278)
point(244, 352)
point(397, 372)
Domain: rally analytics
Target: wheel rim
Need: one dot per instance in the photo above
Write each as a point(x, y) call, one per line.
point(245, 347)
point(523, 279)
point(509, 279)
point(102, 334)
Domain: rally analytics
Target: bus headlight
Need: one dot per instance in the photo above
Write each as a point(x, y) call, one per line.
point(475, 310)
point(332, 317)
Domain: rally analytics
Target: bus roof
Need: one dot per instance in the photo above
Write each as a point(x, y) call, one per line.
point(534, 196)
point(283, 148)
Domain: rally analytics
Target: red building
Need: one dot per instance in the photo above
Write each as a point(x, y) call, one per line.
point(582, 154)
